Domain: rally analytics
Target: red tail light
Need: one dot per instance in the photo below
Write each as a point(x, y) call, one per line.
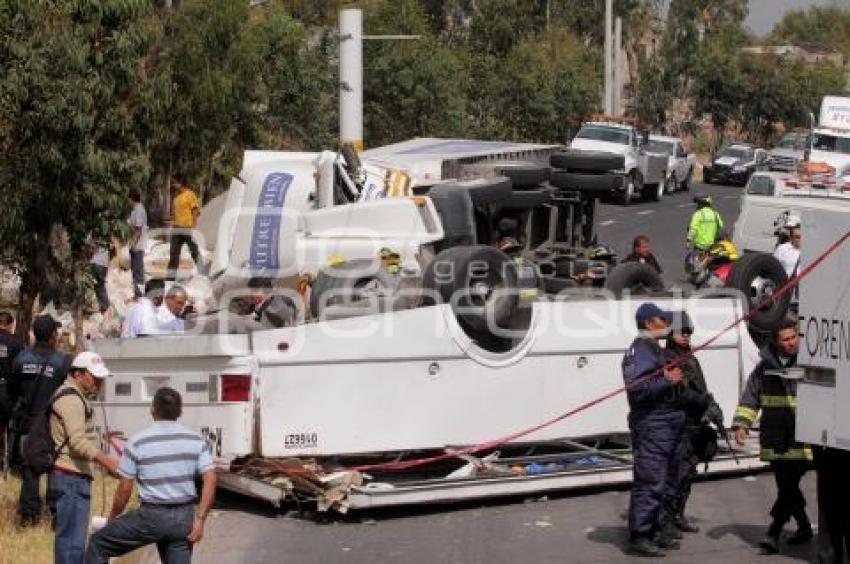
point(235, 387)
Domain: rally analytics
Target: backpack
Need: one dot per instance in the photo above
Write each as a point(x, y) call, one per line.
point(38, 451)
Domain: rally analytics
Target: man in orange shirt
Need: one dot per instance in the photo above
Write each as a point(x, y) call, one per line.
point(186, 211)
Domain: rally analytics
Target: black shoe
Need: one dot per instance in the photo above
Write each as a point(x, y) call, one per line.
point(802, 536)
point(642, 546)
point(684, 525)
point(667, 543)
point(671, 531)
point(769, 544)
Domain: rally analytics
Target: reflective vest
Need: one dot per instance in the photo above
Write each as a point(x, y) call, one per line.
point(704, 227)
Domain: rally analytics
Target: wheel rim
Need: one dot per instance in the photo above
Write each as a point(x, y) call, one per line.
point(762, 290)
point(671, 184)
point(630, 190)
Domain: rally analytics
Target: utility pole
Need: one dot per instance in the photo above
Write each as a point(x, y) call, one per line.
point(618, 66)
point(351, 75)
point(609, 16)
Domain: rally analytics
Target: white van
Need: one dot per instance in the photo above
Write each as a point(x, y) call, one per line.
point(768, 196)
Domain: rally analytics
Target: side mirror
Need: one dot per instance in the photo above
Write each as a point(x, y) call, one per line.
point(644, 137)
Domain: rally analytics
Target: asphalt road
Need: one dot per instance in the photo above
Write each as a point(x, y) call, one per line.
point(590, 527)
point(665, 223)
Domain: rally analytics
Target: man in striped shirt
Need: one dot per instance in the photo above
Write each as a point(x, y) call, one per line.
point(164, 459)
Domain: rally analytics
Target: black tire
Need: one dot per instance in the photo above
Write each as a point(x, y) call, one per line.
point(653, 192)
point(757, 276)
point(527, 199)
point(350, 284)
point(483, 191)
point(706, 177)
point(686, 183)
point(454, 206)
point(671, 184)
point(635, 278)
point(632, 185)
point(523, 176)
point(587, 161)
point(481, 284)
point(583, 182)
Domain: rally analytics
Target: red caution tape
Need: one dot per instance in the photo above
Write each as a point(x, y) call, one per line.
point(787, 287)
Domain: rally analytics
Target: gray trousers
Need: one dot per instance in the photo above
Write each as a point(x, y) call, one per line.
point(167, 526)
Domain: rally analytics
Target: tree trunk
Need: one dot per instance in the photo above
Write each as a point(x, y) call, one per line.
point(26, 303)
point(77, 315)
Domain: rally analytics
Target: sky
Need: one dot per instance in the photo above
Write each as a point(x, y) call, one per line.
point(765, 13)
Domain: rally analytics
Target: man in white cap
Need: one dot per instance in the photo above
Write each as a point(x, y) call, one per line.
point(73, 432)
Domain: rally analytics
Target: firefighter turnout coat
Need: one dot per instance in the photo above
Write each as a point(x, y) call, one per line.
point(776, 398)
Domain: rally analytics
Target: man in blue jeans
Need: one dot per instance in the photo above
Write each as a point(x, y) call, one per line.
point(73, 432)
point(138, 241)
point(165, 459)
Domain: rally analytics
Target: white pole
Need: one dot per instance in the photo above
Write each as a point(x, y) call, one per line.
point(618, 66)
point(351, 77)
point(609, 15)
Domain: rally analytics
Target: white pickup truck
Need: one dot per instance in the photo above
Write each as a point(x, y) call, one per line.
point(640, 172)
point(680, 165)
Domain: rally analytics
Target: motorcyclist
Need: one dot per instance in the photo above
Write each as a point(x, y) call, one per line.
point(706, 224)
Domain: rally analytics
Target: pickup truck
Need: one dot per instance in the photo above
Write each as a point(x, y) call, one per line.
point(641, 172)
point(680, 164)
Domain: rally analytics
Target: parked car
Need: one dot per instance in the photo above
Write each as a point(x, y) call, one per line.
point(789, 152)
point(734, 164)
point(680, 163)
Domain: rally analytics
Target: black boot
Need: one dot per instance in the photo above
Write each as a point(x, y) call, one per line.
point(770, 543)
point(666, 538)
point(804, 530)
point(643, 546)
point(802, 536)
point(683, 524)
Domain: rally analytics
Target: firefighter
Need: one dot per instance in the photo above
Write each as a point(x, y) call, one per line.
point(774, 393)
point(656, 423)
point(699, 406)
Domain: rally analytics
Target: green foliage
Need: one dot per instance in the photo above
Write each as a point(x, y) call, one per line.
point(69, 97)
point(717, 87)
point(827, 27)
point(411, 88)
point(536, 93)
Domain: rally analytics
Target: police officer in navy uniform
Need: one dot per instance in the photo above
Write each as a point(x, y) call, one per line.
point(10, 346)
point(699, 407)
point(37, 372)
point(656, 421)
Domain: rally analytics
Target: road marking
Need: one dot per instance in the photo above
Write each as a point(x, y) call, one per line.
point(607, 223)
point(645, 212)
point(684, 205)
point(731, 197)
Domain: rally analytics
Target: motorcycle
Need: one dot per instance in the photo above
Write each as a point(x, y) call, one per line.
point(710, 268)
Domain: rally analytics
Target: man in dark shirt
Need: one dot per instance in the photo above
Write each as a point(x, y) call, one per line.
point(10, 346)
point(37, 372)
point(642, 252)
